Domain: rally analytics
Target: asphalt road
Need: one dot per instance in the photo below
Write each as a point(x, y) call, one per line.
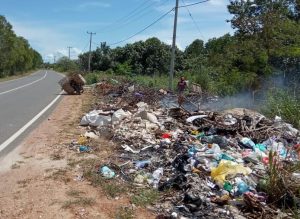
point(22, 99)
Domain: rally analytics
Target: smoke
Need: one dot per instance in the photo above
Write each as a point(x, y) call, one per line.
point(252, 99)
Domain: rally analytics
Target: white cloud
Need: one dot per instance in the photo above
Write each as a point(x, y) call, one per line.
point(47, 40)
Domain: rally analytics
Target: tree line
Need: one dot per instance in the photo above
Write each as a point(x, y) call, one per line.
point(266, 42)
point(16, 55)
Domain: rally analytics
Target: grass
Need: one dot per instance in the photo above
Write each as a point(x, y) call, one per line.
point(8, 78)
point(23, 183)
point(56, 156)
point(74, 193)
point(78, 202)
point(15, 166)
point(113, 189)
point(124, 213)
point(279, 186)
point(143, 80)
point(285, 104)
point(60, 174)
point(145, 197)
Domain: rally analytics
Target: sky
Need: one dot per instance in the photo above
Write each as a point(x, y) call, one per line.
point(52, 26)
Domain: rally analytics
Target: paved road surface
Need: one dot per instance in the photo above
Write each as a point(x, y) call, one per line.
point(23, 99)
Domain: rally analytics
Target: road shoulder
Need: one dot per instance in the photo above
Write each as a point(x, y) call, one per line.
point(40, 179)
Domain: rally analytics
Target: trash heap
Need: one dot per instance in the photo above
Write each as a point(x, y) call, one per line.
point(206, 165)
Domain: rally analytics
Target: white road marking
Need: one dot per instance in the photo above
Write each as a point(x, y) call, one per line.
point(17, 88)
point(27, 125)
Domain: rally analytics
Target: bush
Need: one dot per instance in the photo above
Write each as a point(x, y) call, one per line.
point(284, 104)
point(91, 78)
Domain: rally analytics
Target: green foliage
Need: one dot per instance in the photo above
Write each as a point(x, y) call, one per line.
point(267, 39)
point(285, 104)
point(91, 78)
point(279, 185)
point(16, 55)
point(145, 197)
point(123, 69)
point(64, 64)
point(124, 213)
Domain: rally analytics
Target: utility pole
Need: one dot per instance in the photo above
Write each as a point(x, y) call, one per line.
point(54, 59)
point(90, 54)
point(173, 48)
point(69, 47)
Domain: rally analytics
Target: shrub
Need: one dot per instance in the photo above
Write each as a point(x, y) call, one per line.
point(284, 104)
point(91, 78)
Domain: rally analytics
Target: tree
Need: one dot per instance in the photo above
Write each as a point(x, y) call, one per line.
point(64, 64)
point(16, 55)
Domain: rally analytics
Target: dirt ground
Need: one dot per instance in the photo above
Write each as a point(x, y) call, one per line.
point(37, 180)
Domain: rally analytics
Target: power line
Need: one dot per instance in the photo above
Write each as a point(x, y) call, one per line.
point(140, 14)
point(195, 23)
point(196, 3)
point(126, 16)
point(133, 18)
point(147, 27)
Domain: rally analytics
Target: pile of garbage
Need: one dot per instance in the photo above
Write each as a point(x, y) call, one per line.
point(231, 164)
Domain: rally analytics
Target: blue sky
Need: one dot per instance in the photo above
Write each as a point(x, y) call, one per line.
point(51, 26)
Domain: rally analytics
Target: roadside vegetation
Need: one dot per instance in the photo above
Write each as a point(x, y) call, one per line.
point(16, 55)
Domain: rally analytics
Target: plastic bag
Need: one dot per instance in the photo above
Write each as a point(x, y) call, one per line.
point(119, 115)
point(94, 119)
point(107, 172)
point(227, 167)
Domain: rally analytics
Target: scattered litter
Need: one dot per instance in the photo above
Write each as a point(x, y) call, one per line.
point(216, 164)
point(107, 172)
point(83, 148)
point(91, 134)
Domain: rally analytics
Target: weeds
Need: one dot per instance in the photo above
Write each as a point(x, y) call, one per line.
point(56, 156)
point(74, 193)
point(112, 189)
point(145, 197)
point(15, 166)
point(78, 202)
point(282, 190)
point(284, 104)
point(60, 175)
point(124, 213)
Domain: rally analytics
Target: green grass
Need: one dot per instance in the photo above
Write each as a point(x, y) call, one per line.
point(78, 202)
point(124, 213)
point(143, 80)
point(284, 104)
point(145, 197)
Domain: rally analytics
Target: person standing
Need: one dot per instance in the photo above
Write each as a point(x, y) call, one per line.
point(181, 86)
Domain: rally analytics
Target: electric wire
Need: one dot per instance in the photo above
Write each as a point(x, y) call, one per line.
point(137, 17)
point(196, 3)
point(129, 17)
point(147, 27)
point(191, 16)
